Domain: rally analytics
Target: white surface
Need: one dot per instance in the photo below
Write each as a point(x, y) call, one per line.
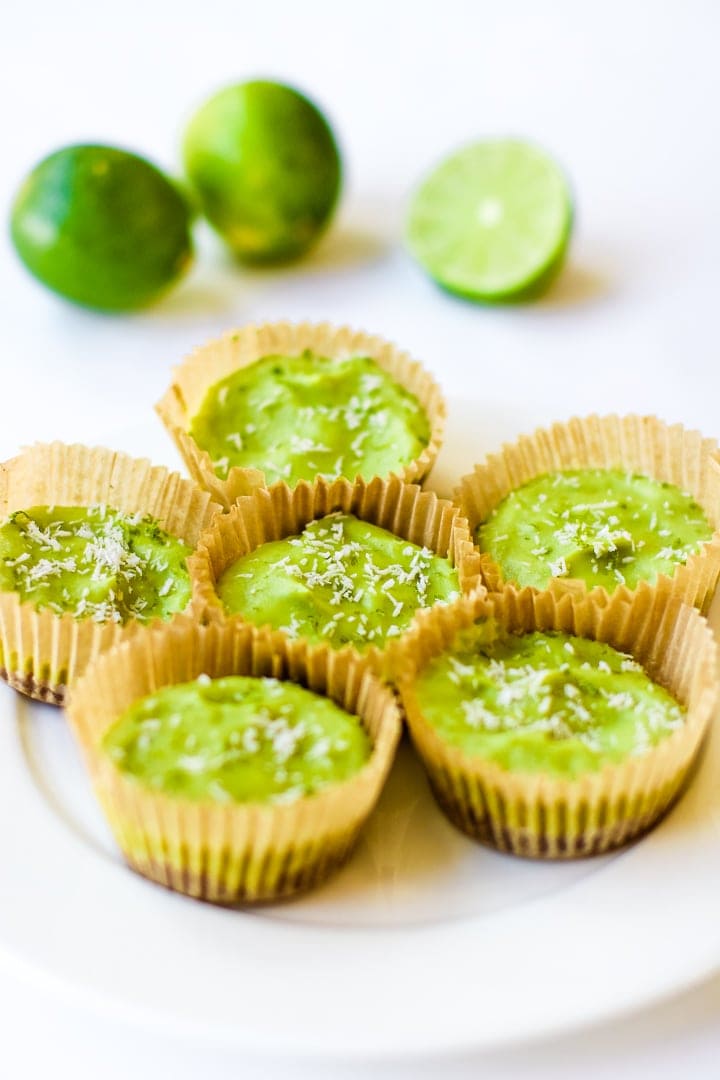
point(624, 94)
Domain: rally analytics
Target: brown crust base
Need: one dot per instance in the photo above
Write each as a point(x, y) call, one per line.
point(290, 881)
point(493, 833)
point(30, 687)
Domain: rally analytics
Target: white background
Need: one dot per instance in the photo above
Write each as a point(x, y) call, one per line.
point(625, 94)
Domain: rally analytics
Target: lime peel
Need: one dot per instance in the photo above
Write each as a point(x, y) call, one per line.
point(266, 168)
point(102, 227)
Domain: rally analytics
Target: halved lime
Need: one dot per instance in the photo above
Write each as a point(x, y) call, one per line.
point(265, 165)
point(102, 227)
point(493, 221)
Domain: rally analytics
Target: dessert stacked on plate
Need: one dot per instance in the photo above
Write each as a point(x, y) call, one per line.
point(238, 652)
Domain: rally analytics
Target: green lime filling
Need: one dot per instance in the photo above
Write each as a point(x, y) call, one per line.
point(603, 526)
point(549, 703)
point(237, 739)
point(341, 580)
point(296, 417)
point(94, 562)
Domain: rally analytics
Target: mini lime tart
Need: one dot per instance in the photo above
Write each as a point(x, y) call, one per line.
point(93, 544)
point(347, 565)
point(232, 764)
point(554, 726)
point(600, 503)
point(291, 402)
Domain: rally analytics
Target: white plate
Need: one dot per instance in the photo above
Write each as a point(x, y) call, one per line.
point(424, 943)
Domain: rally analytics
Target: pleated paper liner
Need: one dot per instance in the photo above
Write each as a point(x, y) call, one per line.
point(279, 511)
point(539, 815)
point(239, 348)
point(642, 444)
point(41, 652)
point(231, 852)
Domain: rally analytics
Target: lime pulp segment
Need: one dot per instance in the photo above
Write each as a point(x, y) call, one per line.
point(493, 221)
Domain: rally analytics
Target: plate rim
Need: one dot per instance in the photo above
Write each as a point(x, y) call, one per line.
point(689, 968)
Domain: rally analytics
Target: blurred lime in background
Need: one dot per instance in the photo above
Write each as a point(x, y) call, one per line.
point(266, 168)
point(102, 227)
point(492, 222)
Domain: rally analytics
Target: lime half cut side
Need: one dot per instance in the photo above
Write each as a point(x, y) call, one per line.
point(493, 221)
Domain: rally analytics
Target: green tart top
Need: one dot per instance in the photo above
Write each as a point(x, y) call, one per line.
point(341, 580)
point(550, 703)
point(237, 739)
point(297, 417)
point(603, 526)
point(94, 562)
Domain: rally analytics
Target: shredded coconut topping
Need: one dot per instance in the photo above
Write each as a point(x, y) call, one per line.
point(365, 585)
point(559, 689)
point(612, 538)
point(89, 565)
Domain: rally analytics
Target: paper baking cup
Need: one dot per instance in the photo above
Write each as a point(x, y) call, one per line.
point(642, 444)
point(539, 815)
point(279, 511)
point(239, 348)
point(239, 852)
point(41, 653)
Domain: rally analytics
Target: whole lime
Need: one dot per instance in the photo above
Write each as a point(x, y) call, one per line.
point(102, 227)
point(266, 167)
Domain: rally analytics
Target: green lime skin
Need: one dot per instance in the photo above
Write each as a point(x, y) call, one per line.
point(266, 168)
point(492, 222)
point(102, 227)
